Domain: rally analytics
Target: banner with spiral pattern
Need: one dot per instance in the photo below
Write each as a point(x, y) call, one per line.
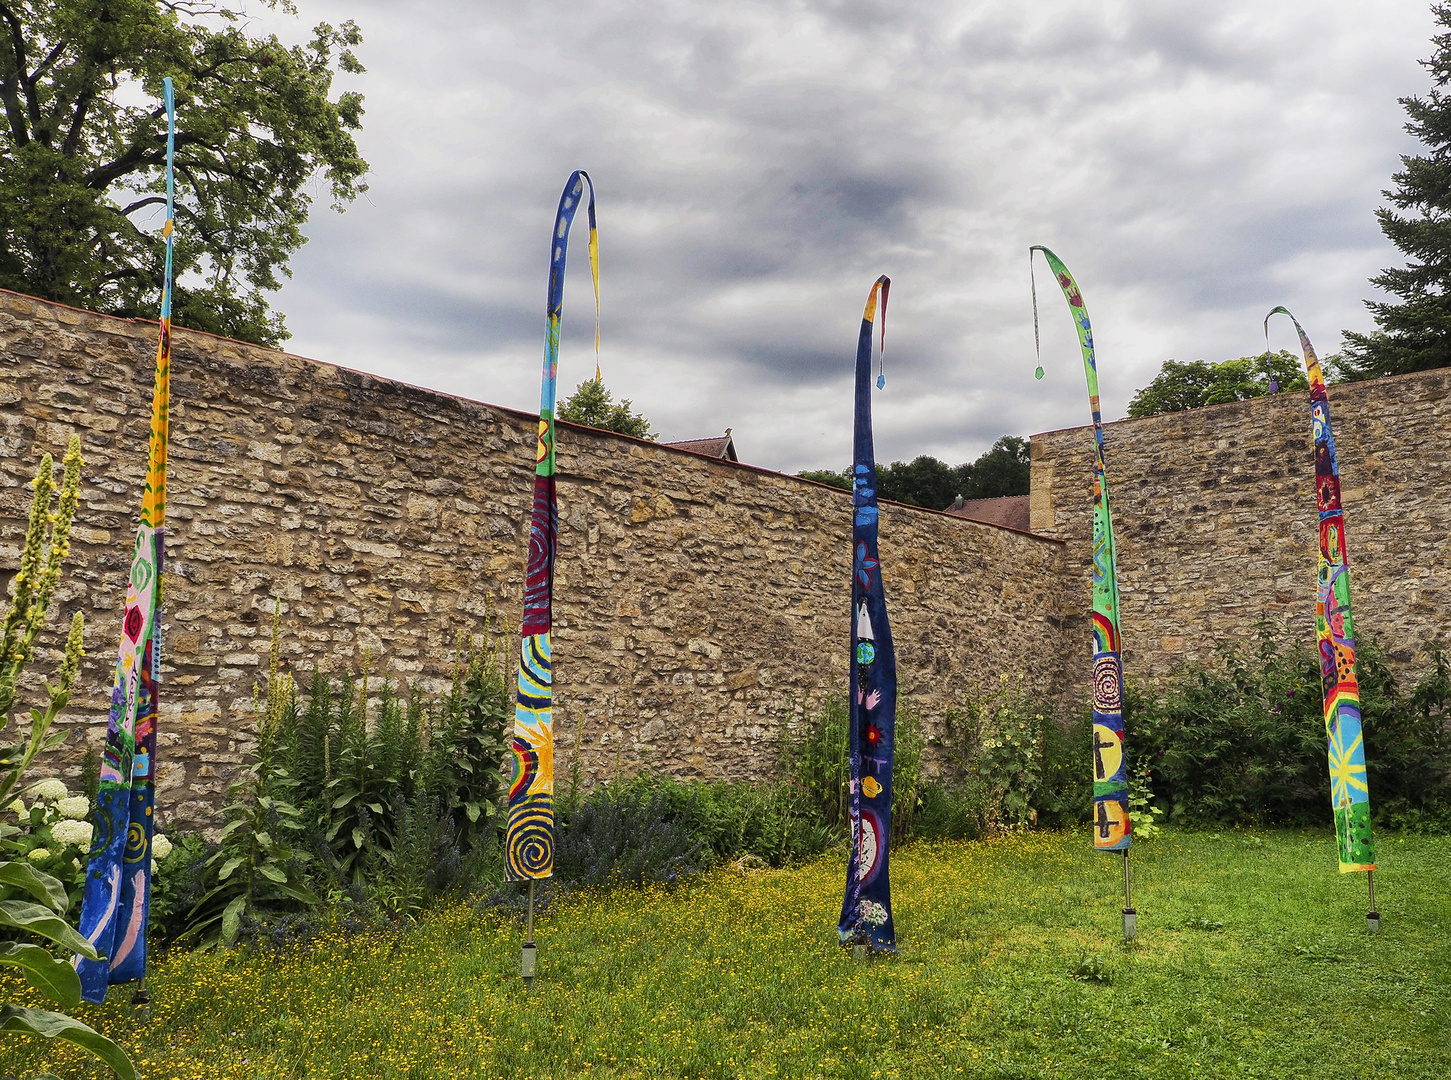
point(866, 908)
point(1349, 784)
point(117, 897)
point(1112, 830)
point(529, 837)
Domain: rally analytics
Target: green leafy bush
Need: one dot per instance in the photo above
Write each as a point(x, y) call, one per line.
point(1243, 740)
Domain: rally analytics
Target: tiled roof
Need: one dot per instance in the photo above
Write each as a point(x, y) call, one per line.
point(1009, 510)
point(722, 446)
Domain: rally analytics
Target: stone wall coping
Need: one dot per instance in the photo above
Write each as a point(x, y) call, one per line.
point(1332, 388)
point(527, 417)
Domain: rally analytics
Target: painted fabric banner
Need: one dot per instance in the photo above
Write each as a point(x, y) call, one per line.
point(1349, 785)
point(118, 878)
point(1112, 829)
point(529, 839)
point(866, 910)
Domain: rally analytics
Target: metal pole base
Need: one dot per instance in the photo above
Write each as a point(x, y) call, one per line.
point(858, 952)
point(1131, 924)
point(1372, 921)
point(141, 1004)
point(527, 964)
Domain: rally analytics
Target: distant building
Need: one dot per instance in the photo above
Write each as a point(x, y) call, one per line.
point(1008, 510)
point(722, 448)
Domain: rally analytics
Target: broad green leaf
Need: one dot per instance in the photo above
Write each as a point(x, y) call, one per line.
point(300, 893)
point(375, 807)
point(232, 919)
point(359, 838)
point(229, 828)
point(54, 978)
point(265, 839)
point(35, 919)
point(54, 1025)
point(228, 867)
point(48, 890)
point(342, 800)
point(271, 873)
point(472, 810)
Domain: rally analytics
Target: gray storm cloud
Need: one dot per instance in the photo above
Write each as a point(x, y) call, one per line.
point(758, 165)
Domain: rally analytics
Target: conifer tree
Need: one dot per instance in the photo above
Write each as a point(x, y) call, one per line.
point(1415, 333)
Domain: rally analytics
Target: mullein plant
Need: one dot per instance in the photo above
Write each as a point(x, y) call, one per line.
point(32, 902)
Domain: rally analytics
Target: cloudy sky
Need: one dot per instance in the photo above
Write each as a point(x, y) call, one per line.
point(759, 164)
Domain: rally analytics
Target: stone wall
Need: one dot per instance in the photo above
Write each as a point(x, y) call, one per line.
point(700, 604)
point(1215, 519)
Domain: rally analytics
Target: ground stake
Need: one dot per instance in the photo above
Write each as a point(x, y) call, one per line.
point(526, 961)
point(1131, 917)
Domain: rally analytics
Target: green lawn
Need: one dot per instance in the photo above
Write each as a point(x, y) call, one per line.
point(741, 976)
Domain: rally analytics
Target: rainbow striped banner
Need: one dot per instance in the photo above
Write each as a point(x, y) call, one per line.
point(1112, 829)
point(1349, 784)
point(118, 877)
point(529, 836)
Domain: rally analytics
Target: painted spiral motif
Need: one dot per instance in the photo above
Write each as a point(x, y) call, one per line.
point(135, 842)
point(1106, 695)
point(530, 851)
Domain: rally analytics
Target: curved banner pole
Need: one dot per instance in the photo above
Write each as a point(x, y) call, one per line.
point(529, 837)
point(117, 897)
point(1335, 629)
point(866, 909)
point(1112, 829)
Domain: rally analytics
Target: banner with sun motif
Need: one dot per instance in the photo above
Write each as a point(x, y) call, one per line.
point(866, 909)
point(1349, 785)
point(529, 837)
point(1112, 830)
point(117, 897)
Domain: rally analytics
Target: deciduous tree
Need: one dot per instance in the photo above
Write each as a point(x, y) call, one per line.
point(83, 153)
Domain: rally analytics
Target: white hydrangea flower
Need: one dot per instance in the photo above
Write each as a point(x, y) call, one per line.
point(72, 832)
point(39, 854)
point(51, 790)
point(76, 807)
point(18, 808)
point(155, 867)
point(160, 846)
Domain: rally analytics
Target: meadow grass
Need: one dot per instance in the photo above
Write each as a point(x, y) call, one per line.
point(1252, 961)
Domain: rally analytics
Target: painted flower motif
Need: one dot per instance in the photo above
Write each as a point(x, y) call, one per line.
point(874, 734)
point(50, 791)
point(160, 846)
point(864, 565)
point(133, 623)
point(74, 833)
point(873, 913)
point(76, 807)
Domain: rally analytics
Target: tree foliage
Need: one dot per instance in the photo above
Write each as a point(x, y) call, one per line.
point(593, 405)
point(1198, 383)
point(83, 155)
point(1415, 333)
point(925, 481)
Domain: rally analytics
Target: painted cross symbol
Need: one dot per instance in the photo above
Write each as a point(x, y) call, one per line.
point(1098, 749)
point(1103, 821)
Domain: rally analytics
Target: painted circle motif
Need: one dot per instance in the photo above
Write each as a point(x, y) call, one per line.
point(1111, 823)
point(529, 844)
point(870, 847)
point(865, 652)
point(134, 622)
point(1107, 696)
